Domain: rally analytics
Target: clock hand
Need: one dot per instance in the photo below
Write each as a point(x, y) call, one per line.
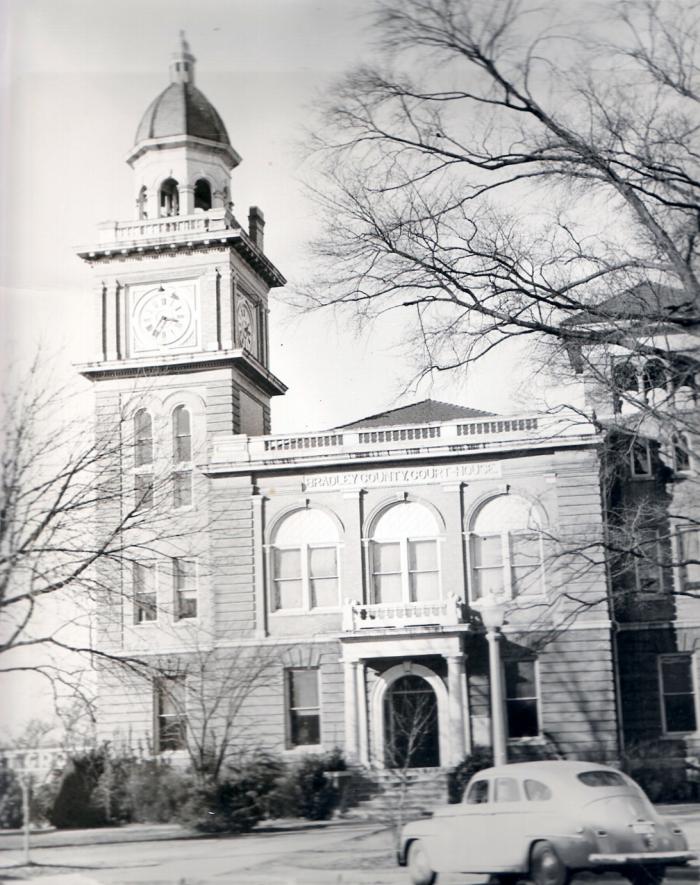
point(160, 322)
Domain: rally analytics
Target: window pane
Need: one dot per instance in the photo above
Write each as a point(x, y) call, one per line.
point(324, 592)
point(422, 556)
point(287, 563)
point(306, 729)
point(185, 585)
point(522, 718)
point(387, 588)
point(288, 594)
point(182, 440)
point(488, 580)
point(536, 791)
point(303, 688)
point(386, 558)
point(676, 674)
point(143, 434)
point(182, 489)
point(487, 550)
point(506, 790)
point(680, 712)
point(424, 587)
point(520, 679)
point(143, 489)
point(478, 793)
point(526, 560)
point(322, 562)
point(690, 550)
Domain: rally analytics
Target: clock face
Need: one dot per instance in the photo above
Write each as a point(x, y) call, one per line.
point(246, 327)
point(164, 317)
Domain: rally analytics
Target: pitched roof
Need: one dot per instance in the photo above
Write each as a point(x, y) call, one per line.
point(424, 412)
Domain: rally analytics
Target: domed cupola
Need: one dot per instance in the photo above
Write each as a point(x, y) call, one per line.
point(182, 157)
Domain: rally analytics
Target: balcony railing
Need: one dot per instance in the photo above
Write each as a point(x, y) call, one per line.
point(446, 437)
point(175, 226)
point(443, 613)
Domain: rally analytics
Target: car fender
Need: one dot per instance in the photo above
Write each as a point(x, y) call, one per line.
point(574, 849)
point(423, 830)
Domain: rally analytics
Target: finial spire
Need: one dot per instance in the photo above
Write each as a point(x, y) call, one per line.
point(182, 63)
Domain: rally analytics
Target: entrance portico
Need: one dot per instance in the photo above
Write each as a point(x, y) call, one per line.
point(379, 699)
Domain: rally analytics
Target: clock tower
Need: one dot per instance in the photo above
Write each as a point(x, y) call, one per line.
point(181, 290)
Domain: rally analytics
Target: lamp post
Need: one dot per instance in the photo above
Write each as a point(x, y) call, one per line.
point(493, 612)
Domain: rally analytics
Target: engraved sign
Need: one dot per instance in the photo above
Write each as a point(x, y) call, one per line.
point(403, 476)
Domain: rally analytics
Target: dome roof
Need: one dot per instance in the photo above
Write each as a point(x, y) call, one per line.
point(182, 109)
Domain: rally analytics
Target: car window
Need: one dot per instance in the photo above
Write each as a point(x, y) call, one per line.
point(602, 779)
point(536, 791)
point(506, 790)
point(478, 793)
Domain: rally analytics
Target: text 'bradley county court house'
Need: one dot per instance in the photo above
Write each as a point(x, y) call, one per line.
point(354, 558)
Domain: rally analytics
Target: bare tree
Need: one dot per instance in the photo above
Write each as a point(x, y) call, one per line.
point(505, 175)
point(57, 558)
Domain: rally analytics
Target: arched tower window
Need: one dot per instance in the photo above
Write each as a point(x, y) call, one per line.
point(169, 198)
point(506, 549)
point(304, 562)
point(404, 557)
point(182, 457)
point(142, 203)
point(202, 195)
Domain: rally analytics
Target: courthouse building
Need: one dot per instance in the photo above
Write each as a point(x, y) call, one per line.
point(358, 554)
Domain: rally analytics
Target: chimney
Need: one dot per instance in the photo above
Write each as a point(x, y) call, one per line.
point(256, 226)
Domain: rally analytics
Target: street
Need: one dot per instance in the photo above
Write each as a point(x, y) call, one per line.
point(336, 853)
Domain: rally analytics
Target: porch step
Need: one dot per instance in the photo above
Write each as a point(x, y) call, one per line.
point(389, 796)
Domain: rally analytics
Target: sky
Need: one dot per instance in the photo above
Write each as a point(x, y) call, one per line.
point(77, 76)
point(75, 79)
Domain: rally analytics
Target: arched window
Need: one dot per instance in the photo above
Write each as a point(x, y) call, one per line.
point(506, 549)
point(169, 198)
point(182, 457)
point(681, 452)
point(304, 562)
point(404, 556)
point(143, 459)
point(142, 203)
point(654, 375)
point(202, 195)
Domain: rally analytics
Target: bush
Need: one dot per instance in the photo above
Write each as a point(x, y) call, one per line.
point(237, 803)
point(155, 792)
point(306, 791)
point(660, 770)
point(78, 803)
point(10, 798)
point(459, 777)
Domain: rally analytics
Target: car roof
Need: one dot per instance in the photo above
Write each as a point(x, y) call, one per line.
point(550, 769)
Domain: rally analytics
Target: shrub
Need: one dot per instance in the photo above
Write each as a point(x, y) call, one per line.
point(459, 777)
point(155, 792)
point(78, 803)
point(659, 768)
point(306, 791)
point(238, 802)
point(10, 798)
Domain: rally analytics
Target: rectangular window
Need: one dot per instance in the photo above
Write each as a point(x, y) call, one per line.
point(171, 714)
point(144, 591)
point(303, 709)
point(323, 577)
point(521, 698)
point(487, 565)
point(423, 573)
point(640, 459)
point(649, 563)
point(182, 488)
point(677, 693)
point(143, 490)
point(185, 588)
point(386, 572)
point(286, 567)
point(690, 557)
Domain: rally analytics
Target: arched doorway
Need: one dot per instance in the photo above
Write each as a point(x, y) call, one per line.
point(411, 731)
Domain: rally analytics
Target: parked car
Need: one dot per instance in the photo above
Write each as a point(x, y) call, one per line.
point(545, 820)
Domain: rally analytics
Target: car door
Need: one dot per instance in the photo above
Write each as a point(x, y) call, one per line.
point(463, 831)
point(503, 845)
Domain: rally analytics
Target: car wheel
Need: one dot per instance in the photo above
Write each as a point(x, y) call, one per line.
point(546, 867)
point(419, 868)
point(646, 875)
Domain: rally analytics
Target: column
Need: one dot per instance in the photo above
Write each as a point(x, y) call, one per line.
point(455, 678)
point(351, 717)
point(363, 731)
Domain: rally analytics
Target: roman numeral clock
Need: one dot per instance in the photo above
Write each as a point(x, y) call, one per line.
point(163, 316)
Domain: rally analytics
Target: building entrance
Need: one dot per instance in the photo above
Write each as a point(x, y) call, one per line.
point(411, 732)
